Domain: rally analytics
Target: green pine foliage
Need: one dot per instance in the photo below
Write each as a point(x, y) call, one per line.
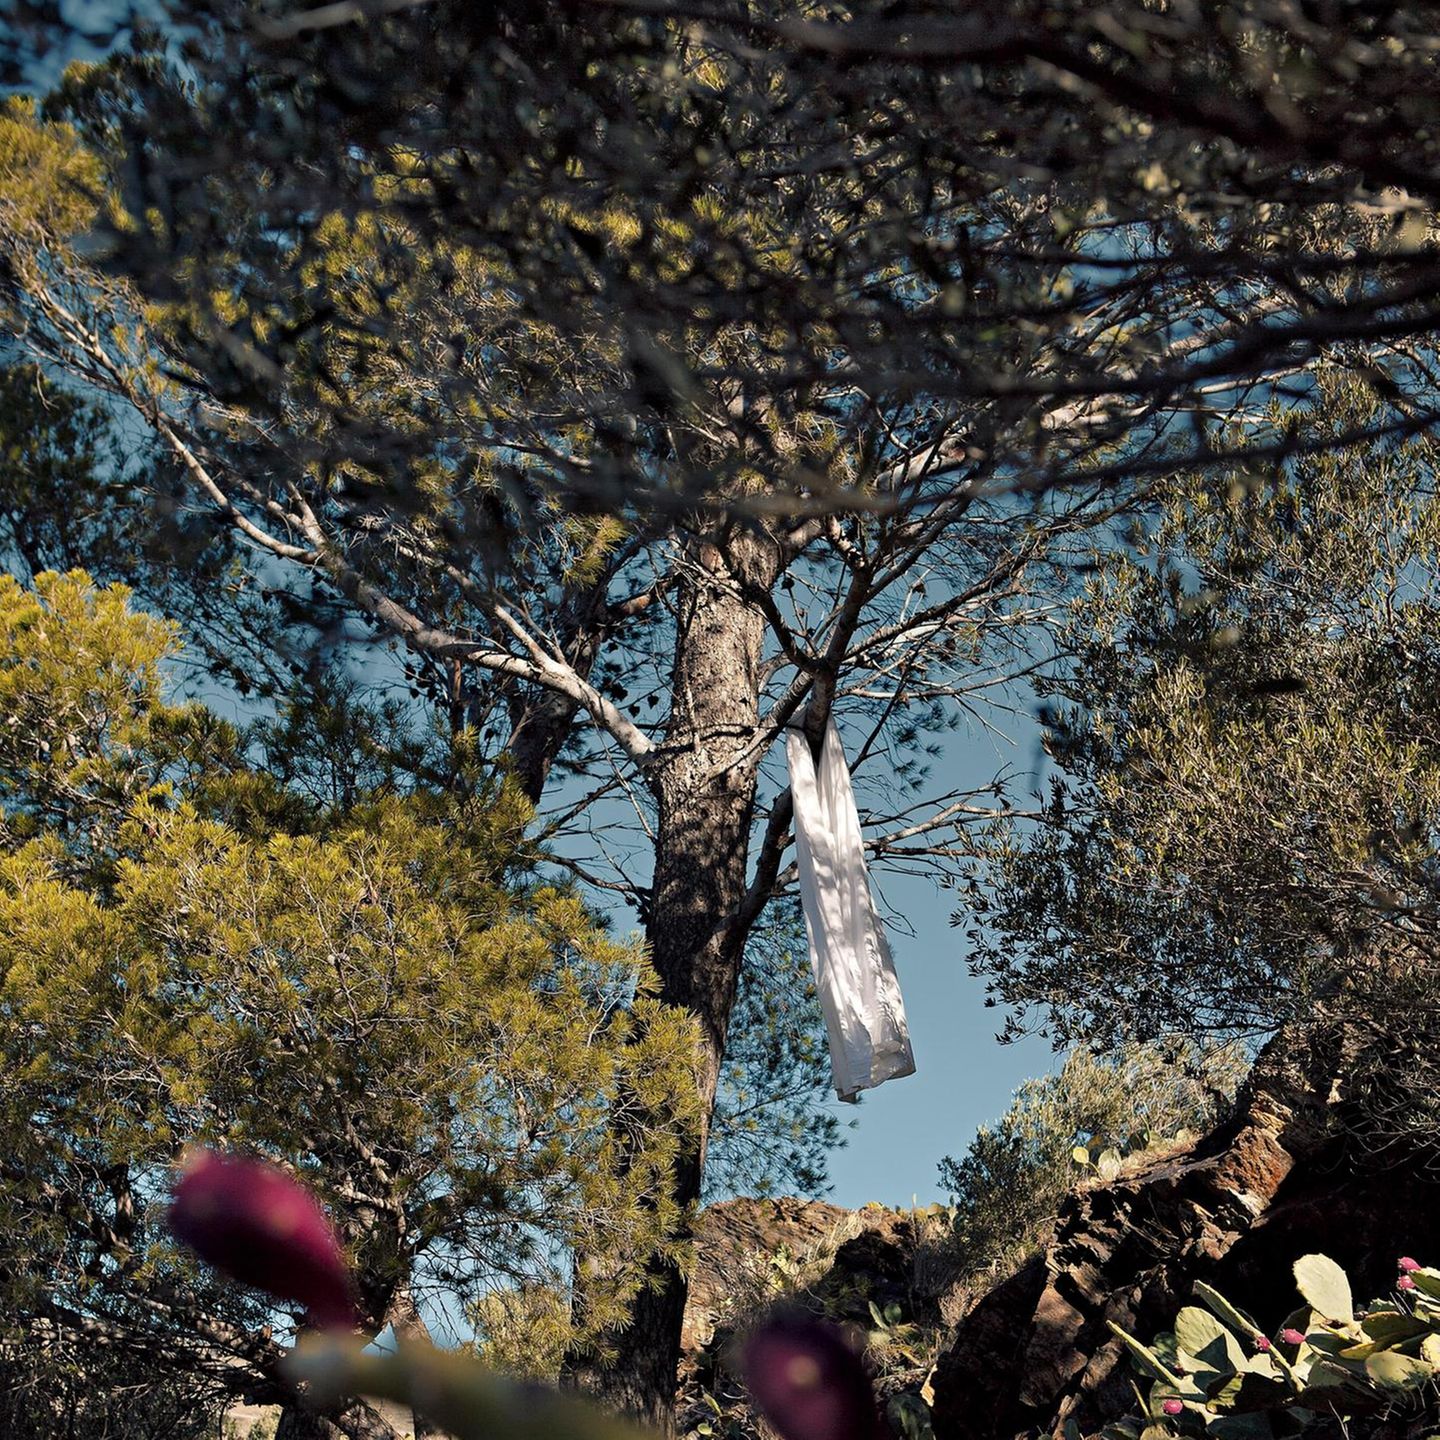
point(53, 444)
point(381, 995)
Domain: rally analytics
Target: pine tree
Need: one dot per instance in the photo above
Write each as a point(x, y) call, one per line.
point(380, 994)
point(1241, 841)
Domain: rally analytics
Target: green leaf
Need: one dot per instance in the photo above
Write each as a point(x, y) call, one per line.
point(1332, 1389)
point(1081, 1155)
point(1249, 1392)
point(1164, 1346)
point(1196, 1328)
point(1324, 1284)
point(1398, 1372)
point(1144, 1357)
point(1427, 1282)
point(1388, 1327)
point(1205, 1342)
point(1238, 1321)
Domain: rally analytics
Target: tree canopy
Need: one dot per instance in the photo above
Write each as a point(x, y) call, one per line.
point(645, 378)
point(758, 234)
point(381, 994)
point(1011, 1178)
point(1242, 827)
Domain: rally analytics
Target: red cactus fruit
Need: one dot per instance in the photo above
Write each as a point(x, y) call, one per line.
point(809, 1384)
point(258, 1225)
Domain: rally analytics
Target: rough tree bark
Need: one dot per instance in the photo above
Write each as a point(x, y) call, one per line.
point(704, 809)
point(1278, 1180)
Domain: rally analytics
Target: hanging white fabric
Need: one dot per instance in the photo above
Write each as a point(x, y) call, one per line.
point(854, 972)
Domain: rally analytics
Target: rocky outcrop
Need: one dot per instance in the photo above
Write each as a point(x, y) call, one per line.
point(734, 1240)
point(884, 1264)
point(835, 1261)
point(1235, 1210)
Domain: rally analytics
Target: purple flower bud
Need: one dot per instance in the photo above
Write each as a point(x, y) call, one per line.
point(1172, 1407)
point(1261, 1342)
point(808, 1383)
point(259, 1226)
point(1292, 1337)
point(1407, 1264)
point(1405, 1283)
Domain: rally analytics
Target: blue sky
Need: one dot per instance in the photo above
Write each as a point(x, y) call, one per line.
point(964, 1077)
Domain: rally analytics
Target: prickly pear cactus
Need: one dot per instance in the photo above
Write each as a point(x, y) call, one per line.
point(1218, 1373)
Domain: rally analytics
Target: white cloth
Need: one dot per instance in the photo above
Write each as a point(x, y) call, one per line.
point(854, 973)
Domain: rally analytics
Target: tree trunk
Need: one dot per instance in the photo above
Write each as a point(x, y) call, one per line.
point(1277, 1181)
point(705, 807)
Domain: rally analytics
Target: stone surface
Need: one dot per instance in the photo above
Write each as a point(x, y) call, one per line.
point(245, 1419)
point(733, 1239)
point(883, 1265)
point(1275, 1182)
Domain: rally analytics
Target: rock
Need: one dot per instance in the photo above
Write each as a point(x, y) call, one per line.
point(837, 1263)
point(880, 1265)
point(734, 1243)
point(751, 1252)
point(1235, 1210)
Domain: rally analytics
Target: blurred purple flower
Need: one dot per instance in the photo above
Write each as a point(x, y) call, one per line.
point(808, 1383)
point(1407, 1264)
point(1172, 1407)
point(1292, 1337)
point(261, 1227)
